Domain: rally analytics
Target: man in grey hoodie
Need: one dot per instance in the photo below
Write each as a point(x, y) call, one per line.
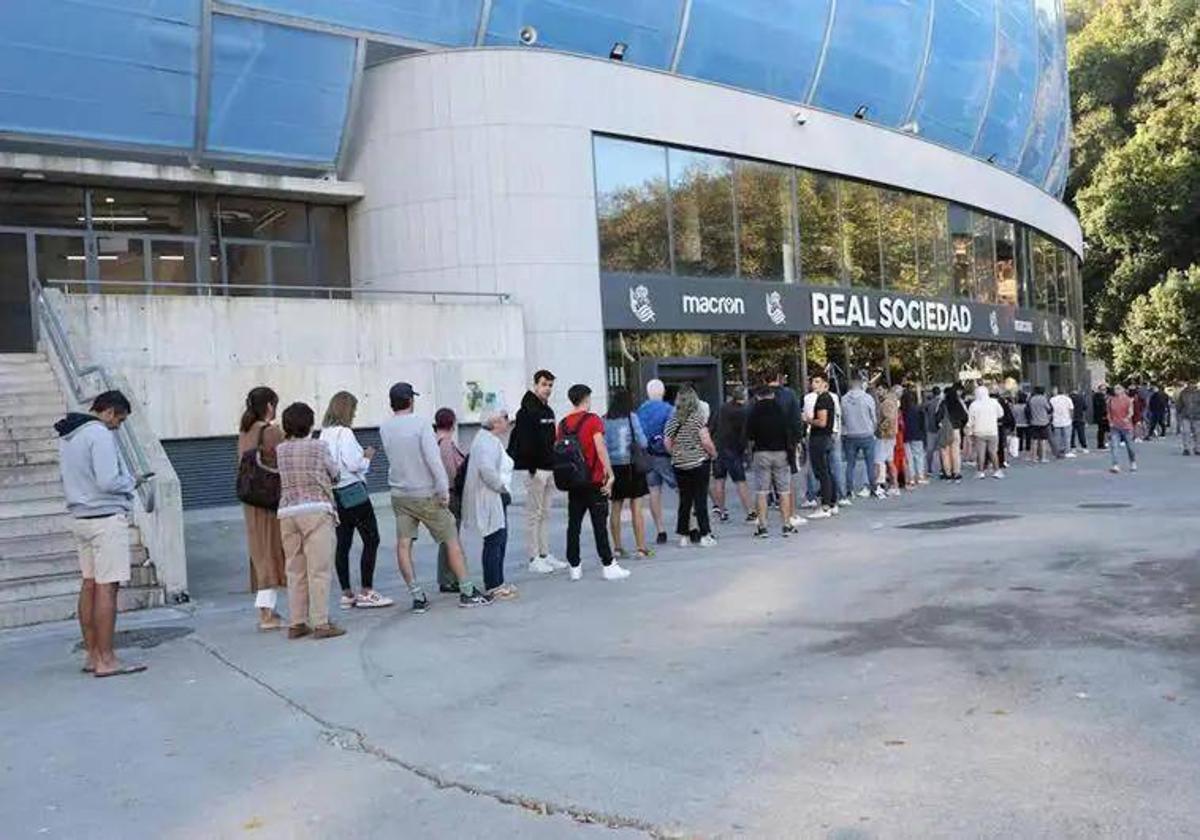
point(859, 418)
point(99, 492)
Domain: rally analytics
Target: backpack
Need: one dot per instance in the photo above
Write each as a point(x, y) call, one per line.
point(571, 471)
point(459, 482)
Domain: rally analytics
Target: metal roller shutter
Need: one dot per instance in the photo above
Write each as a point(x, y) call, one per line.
point(207, 468)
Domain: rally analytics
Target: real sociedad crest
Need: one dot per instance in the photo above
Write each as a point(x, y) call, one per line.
point(994, 323)
point(639, 304)
point(1068, 332)
point(775, 309)
point(1046, 330)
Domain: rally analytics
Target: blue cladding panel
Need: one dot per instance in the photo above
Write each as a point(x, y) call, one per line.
point(954, 94)
point(1039, 149)
point(648, 27)
point(770, 46)
point(874, 57)
point(449, 22)
point(278, 91)
point(123, 71)
point(1013, 93)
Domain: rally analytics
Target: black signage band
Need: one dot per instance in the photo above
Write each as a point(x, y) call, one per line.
point(684, 304)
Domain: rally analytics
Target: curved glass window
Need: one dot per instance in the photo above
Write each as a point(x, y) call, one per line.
point(1011, 104)
point(702, 213)
point(765, 45)
point(860, 233)
point(631, 203)
point(1006, 265)
point(765, 222)
point(985, 258)
point(898, 228)
point(820, 230)
point(873, 58)
point(954, 92)
point(647, 28)
point(278, 91)
point(1049, 102)
point(933, 245)
point(449, 22)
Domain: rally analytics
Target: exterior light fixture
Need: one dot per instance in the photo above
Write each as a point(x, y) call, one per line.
point(860, 113)
point(991, 158)
point(33, 176)
point(528, 35)
point(912, 127)
point(800, 117)
point(617, 53)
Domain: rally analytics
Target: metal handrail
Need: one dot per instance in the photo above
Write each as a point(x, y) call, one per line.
point(127, 443)
point(219, 289)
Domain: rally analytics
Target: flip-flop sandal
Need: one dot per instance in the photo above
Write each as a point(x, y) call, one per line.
point(88, 669)
point(122, 671)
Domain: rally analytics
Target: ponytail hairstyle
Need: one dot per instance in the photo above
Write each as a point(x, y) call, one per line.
point(258, 402)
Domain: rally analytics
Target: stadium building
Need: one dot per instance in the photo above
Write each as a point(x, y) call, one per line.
point(207, 195)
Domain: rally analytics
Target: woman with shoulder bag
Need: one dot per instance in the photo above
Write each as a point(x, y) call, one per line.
point(626, 442)
point(258, 434)
point(354, 509)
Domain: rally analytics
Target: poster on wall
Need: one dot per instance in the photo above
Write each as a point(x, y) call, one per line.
point(480, 396)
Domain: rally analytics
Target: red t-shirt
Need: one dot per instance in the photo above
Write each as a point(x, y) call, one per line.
point(1119, 412)
point(586, 430)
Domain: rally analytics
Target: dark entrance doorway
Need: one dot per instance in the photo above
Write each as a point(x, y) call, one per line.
point(16, 310)
point(702, 372)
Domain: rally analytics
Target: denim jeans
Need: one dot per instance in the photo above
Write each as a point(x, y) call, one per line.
point(494, 546)
point(914, 461)
point(1115, 436)
point(1060, 440)
point(852, 447)
point(1189, 429)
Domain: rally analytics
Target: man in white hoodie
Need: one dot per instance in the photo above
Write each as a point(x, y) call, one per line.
point(983, 419)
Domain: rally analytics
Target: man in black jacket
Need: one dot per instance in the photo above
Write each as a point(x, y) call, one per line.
point(1079, 420)
point(1100, 415)
point(531, 446)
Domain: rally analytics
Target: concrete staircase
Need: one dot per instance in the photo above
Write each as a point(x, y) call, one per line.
point(39, 571)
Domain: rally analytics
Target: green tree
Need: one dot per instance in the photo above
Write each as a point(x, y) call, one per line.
point(1135, 180)
point(1162, 331)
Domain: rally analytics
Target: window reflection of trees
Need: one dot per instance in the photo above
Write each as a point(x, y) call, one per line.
point(765, 222)
point(820, 235)
point(860, 233)
point(702, 213)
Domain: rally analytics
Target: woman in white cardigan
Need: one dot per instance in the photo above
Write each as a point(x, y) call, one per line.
point(354, 509)
point(486, 497)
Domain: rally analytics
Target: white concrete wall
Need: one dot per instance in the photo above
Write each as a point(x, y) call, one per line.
point(479, 176)
point(191, 360)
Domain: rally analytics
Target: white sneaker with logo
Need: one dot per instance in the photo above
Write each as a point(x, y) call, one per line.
point(539, 566)
point(576, 572)
point(555, 563)
point(614, 571)
point(708, 541)
point(998, 474)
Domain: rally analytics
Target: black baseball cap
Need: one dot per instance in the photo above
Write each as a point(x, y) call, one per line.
point(402, 391)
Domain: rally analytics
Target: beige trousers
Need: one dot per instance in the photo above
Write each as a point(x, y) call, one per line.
point(539, 495)
point(308, 550)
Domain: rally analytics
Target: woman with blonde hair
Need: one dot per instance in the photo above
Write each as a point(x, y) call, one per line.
point(258, 433)
point(487, 492)
point(354, 509)
point(691, 446)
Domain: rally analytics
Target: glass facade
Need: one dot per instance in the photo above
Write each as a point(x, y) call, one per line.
point(985, 77)
point(134, 241)
point(671, 211)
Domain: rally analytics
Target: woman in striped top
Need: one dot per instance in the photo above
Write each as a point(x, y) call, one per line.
point(691, 446)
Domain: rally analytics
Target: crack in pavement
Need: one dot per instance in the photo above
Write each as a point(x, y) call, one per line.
point(353, 740)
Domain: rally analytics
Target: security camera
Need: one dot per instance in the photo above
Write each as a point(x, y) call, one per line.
point(800, 117)
point(528, 36)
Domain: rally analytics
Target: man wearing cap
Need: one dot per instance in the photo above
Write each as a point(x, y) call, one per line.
point(421, 495)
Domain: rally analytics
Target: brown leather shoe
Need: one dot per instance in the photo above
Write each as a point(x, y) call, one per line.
point(298, 631)
point(328, 631)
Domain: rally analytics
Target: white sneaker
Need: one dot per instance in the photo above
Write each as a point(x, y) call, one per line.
point(846, 502)
point(613, 571)
point(1087, 451)
point(576, 572)
point(998, 474)
point(1133, 467)
point(555, 563)
point(810, 503)
point(540, 566)
point(982, 474)
point(796, 520)
point(685, 542)
point(864, 493)
point(895, 491)
point(824, 513)
point(1070, 455)
point(1114, 469)
point(880, 492)
point(834, 511)
point(708, 541)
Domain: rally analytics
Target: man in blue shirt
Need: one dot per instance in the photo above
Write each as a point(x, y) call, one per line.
point(653, 414)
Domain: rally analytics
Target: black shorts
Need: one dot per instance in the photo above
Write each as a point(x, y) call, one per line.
point(729, 464)
point(628, 483)
point(1039, 433)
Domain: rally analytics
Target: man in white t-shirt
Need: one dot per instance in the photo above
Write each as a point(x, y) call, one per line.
point(1060, 421)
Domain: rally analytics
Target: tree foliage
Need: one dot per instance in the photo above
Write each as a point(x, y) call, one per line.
point(1135, 180)
point(1162, 331)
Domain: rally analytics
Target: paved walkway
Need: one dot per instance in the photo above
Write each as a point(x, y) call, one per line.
point(1030, 676)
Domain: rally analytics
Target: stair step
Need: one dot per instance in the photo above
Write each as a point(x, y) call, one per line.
point(31, 507)
point(31, 421)
point(33, 389)
point(33, 380)
point(33, 526)
point(24, 459)
point(62, 607)
point(22, 358)
point(41, 586)
point(38, 444)
point(23, 434)
point(14, 409)
point(19, 547)
point(28, 474)
point(60, 563)
point(32, 490)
